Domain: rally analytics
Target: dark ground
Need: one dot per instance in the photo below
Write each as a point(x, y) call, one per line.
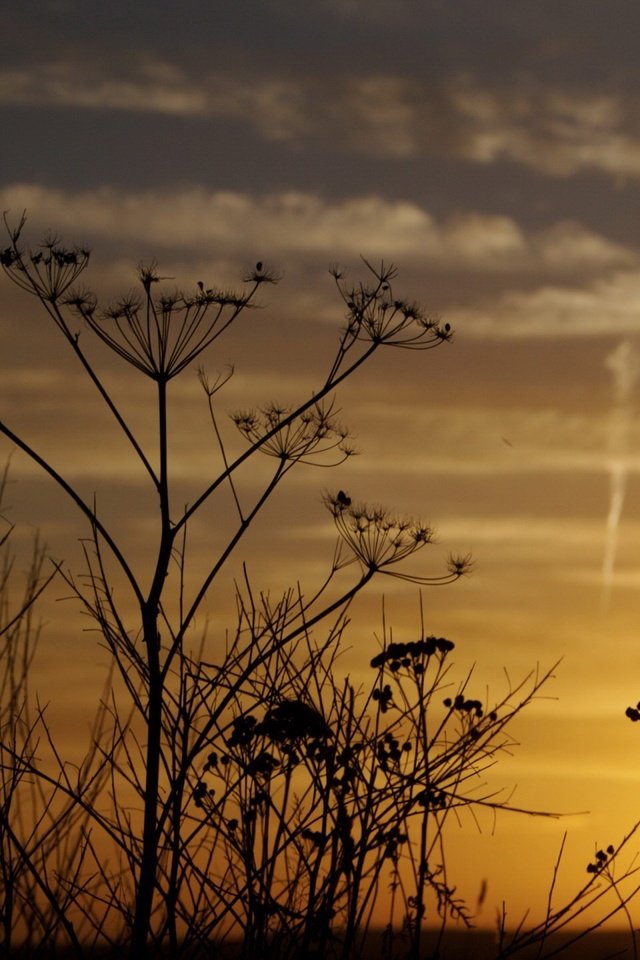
point(476, 945)
point(482, 946)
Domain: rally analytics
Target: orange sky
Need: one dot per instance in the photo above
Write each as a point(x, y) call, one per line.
point(496, 163)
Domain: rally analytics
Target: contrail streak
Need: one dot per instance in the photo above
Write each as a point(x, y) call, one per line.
point(624, 366)
point(617, 491)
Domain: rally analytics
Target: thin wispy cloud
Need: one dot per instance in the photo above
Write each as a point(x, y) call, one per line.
point(464, 442)
point(624, 365)
point(155, 88)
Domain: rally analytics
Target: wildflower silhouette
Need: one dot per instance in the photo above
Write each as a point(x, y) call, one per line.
point(240, 787)
point(159, 332)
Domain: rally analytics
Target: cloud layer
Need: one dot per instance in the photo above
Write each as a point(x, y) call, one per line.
point(302, 223)
point(555, 130)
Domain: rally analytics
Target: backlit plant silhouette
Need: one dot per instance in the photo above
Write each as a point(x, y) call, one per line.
point(243, 789)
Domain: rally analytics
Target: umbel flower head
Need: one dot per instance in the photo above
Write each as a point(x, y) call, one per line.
point(378, 540)
point(157, 334)
point(160, 335)
point(48, 271)
point(376, 315)
point(306, 438)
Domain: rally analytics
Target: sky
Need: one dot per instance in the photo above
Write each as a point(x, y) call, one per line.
point(492, 152)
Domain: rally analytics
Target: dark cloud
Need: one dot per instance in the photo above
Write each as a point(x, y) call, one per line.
point(572, 41)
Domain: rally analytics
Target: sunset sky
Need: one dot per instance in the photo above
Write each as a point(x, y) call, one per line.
point(492, 152)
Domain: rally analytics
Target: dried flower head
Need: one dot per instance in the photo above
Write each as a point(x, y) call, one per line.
point(46, 272)
point(292, 720)
point(160, 335)
point(413, 653)
point(376, 315)
point(378, 540)
point(306, 438)
point(261, 274)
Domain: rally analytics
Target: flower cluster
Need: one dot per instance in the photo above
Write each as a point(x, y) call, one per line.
point(459, 565)
point(375, 537)
point(601, 859)
point(343, 782)
point(319, 750)
point(46, 272)
point(286, 724)
point(202, 795)
point(244, 729)
point(383, 697)
point(633, 713)
point(161, 335)
point(412, 654)
point(311, 434)
point(294, 720)
point(432, 798)
point(391, 840)
point(464, 705)
point(378, 540)
point(255, 803)
point(472, 712)
point(376, 315)
point(263, 764)
point(389, 750)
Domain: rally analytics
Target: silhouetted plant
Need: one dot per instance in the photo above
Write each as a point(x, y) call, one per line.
point(324, 796)
point(606, 894)
point(159, 334)
point(254, 793)
point(42, 831)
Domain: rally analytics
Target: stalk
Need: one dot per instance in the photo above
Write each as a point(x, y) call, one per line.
point(147, 880)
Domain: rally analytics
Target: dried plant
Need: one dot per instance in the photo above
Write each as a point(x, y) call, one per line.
point(251, 794)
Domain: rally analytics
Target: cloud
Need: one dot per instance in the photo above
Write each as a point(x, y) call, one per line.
point(374, 114)
point(379, 116)
point(555, 132)
point(157, 88)
point(298, 224)
point(465, 441)
point(356, 9)
point(604, 307)
point(276, 107)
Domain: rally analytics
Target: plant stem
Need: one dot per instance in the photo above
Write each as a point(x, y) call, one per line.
point(150, 610)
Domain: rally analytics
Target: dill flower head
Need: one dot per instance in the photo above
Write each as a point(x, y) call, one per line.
point(46, 272)
point(376, 315)
point(306, 438)
point(378, 539)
